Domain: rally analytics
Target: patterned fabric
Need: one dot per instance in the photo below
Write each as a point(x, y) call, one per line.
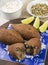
point(29, 60)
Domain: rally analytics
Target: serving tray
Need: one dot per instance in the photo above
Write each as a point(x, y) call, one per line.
point(36, 60)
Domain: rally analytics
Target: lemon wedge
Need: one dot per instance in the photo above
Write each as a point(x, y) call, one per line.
point(43, 27)
point(37, 23)
point(27, 20)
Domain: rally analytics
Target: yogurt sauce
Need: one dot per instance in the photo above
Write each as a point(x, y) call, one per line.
point(10, 7)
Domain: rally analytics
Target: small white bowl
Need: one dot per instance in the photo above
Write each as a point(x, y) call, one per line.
point(15, 14)
point(33, 3)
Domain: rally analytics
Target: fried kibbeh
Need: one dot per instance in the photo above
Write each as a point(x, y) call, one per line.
point(10, 36)
point(18, 50)
point(33, 46)
point(23, 38)
point(27, 31)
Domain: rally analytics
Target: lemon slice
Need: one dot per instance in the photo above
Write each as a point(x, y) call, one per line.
point(43, 27)
point(37, 23)
point(27, 20)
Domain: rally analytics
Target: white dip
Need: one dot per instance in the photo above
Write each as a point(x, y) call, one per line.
point(10, 7)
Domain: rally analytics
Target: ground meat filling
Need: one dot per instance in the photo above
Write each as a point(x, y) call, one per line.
point(21, 53)
point(29, 49)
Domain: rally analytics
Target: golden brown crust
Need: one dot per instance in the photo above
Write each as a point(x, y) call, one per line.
point(10, 36)
point(18, 50)
point(35, 44)
point(27, 31)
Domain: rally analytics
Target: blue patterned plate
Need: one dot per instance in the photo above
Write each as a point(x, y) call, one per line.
point(29, 60)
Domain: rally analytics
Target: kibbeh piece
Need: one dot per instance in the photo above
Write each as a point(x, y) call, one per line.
point(18, 50)
point(10, 36)
point(27, 31)
point(33, 46)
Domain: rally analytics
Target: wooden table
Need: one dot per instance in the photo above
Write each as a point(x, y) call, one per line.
point(2, 62)
point(11, 63)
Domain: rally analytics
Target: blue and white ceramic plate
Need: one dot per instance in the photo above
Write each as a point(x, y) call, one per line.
point(29, 60)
